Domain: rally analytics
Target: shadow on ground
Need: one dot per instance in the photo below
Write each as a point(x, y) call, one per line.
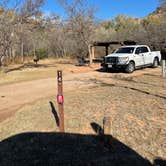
point(66, 149)
point(69, 149)
point(54, 112)
point(29, 66)
point(102, 70)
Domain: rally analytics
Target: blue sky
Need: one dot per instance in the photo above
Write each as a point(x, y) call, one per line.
point(107, 9)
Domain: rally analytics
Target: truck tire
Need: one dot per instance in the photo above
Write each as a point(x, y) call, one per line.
point(130, 67)
point(105, 68)
point(155, 63)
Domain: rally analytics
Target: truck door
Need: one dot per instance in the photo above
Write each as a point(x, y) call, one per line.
point(146, 54)
point(139, 57)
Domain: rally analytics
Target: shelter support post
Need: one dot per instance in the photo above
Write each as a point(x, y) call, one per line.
point(106, 50)
point(91, 54)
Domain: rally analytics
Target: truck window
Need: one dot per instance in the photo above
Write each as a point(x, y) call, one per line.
point(124, 50)
point(140, 50)
point(144, 49)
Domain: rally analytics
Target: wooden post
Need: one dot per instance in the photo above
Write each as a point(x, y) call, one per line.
point(106, 50)
point(107, 125)
point(163, 68)
point(91, 54)
point(60, 100)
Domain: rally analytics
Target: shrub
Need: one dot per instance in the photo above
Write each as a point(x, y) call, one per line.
point(42, 53)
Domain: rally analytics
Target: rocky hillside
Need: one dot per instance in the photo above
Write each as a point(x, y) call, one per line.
point(160, 11)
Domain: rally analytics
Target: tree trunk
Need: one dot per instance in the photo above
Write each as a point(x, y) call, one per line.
point(0, 62)
point(22, 51)
point(34, 50)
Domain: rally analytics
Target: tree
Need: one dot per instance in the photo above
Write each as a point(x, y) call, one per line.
point(56, 35)
point(14, 22)
point(126, 27)
point(163, 2)
point(80, 22)
point(7, 19)
point(155, 30)
point(26, 10)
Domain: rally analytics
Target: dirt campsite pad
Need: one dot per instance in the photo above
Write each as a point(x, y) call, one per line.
point(135, 102)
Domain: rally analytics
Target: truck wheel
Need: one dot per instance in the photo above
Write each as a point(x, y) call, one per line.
point(155, 63)
point(105, 68)
point(130, 67)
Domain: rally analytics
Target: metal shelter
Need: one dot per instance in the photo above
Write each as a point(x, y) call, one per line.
point(106, 45)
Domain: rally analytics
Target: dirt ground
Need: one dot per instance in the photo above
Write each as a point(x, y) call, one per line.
point(135, 102)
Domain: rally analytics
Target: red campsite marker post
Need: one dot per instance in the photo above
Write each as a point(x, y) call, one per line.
point(60, 100)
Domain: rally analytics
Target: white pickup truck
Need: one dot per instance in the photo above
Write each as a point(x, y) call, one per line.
point(131, 58)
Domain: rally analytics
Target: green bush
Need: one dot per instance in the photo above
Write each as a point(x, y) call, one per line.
point(42, 53)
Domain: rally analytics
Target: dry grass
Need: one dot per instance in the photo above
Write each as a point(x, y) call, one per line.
point(45, 69)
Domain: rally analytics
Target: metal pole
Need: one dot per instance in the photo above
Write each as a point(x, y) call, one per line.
point(60, 101)
point(163, 68)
